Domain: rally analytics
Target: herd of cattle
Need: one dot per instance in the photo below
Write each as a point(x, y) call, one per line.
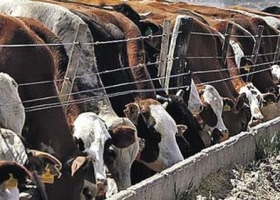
point(118, 125)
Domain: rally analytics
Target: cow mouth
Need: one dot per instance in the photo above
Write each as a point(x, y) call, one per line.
point(255, 122)
point(102, 188)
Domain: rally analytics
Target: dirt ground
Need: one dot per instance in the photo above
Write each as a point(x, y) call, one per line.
point(260, 180)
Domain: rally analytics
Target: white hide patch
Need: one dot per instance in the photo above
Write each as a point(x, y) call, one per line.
point(9, 194)
point(251, 93)
point(92, 130)
point(238, 52)
point(213, 98)
point(165, 125)
point(194, 104)
point(12, 111)
point(11, 147)
point(275, 72)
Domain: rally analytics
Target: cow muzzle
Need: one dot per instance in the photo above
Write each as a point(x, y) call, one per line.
point(102, 187)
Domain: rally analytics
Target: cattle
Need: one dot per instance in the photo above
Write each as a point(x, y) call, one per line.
point(225, 88)
point(250, 24)
point(105, 145)
point(140, 75)
point(61, 62)
point(40, 133)
point(125, 150)
point(237, 82)
point(89, 82)
point(179, 111)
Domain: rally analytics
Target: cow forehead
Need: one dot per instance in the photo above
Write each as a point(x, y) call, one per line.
point(164, 122)
point(89, 125)
point(211, 96)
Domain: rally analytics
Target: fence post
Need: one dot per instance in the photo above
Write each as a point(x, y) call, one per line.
point(226, 42)
point(277, 51)
point(72, 66)
point(186, 22)
point(164, 51)
point(255, 52)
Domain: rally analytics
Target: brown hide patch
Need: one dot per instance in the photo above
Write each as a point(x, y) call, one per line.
point(145, 103)
point(122, 136)
point(132, 112)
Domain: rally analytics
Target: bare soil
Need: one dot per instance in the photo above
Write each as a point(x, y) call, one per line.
point(260, 180)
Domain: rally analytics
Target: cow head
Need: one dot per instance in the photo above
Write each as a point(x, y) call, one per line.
point(158, 129)
point(212, 113)
point(91, 134)
point(125, 146)
point(13, 175)
point(188, 135)
point(236, 115)
point(114, 145)
point(271, 107)
point(255, 101)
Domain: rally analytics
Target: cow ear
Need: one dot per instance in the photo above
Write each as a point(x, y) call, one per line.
point(123, 136)
point(132, 112)
point(47, 156)
point(228, 104)
point(148, 27)
point(83, 163)
point(181, 128)
point(10, 169)
point(269, 99)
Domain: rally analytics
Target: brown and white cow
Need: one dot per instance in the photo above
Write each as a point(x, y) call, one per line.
point(35, 65)
point(116, 26)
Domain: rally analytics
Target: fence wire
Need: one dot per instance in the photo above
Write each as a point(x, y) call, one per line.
point(116, 94)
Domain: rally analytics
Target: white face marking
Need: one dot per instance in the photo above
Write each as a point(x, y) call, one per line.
point(169, 152)
point(92, 130)
point(12, 111)
point(195, 103)
point(11, 147)
point(212, 97)
point(252, 92)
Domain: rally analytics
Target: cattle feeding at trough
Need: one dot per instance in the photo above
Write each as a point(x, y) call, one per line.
point(117, 76)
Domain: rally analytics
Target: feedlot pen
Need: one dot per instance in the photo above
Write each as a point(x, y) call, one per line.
point(189, 173)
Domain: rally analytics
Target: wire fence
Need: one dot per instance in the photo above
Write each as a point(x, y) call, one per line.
point(56, 103)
